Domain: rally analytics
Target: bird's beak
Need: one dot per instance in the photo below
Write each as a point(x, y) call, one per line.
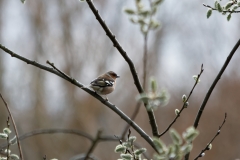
point(118, 76)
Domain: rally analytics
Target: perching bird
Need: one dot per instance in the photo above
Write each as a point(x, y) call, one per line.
point(104, 84)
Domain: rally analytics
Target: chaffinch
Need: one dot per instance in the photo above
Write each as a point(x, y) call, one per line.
point(104, 84)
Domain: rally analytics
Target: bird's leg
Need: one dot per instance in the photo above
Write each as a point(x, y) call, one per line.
point(106, 98)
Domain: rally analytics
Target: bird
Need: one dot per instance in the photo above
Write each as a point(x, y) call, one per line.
point(105, 83)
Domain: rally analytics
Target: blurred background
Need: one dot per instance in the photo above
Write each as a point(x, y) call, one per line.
point(67, 34)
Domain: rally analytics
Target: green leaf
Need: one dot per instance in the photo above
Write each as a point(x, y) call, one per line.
point(229, 17)
point(133, 20)
point(209, 13)
point(176, 112)
point(141, 21)
point(209, 147)
point(158, 157)
point(129, 11)
point(195, 77)
point(143, 97)
point(7, 131)
point(157, 2)
point(186, 148)
point(161, 147)
point(228, 5)
point(13, 140)
point(184, 98)
point(13, 156)
point(120, 149)
point(219, 7)
point(216, 4)
point(190, 134)
point(144, 13)
point(126, 156)
point(235, 7)
point(154, 24)
point(132, 139)
point(154, 10)
point(154, 85)
point(3, 136)
point(175, 137)
point(186, 104)
point(127, 144)
point(140, 151)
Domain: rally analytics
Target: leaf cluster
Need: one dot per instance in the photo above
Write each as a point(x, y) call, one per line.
point(177, 149)
point(155, 97)
point(5, 135)
point(127, 150)
point(230, 7)
point(142, 15)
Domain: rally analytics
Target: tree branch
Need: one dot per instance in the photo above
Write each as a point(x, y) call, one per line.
point(94, 143)
point(208, 145)
point(177, 116)
point(78, 84)
point(14, 126)
point(214, 84)
point(199, 114)
point(128, 60)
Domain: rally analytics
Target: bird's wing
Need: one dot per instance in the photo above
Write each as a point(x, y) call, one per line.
point(102, 82)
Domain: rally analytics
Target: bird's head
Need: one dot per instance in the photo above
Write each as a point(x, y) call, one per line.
point(113, 74)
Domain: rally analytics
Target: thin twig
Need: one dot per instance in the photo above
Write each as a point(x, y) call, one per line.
point(116, 44)
point(178, 115)
point(225, 11)
point(145, 50)
point(14, 126)
point(8, 144)
point(78, 84)
point(201, 109)
point(145, 57)
point(62, 73)
point(218, 132)
point(94, 143)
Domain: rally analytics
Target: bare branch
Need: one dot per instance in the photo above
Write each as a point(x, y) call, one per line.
point(75, 82)
point(14, 126)
point(210, 143)
point(199, 114)
point(128, 60)
point(214, 84)
point(94, 143)
point(178, 115)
